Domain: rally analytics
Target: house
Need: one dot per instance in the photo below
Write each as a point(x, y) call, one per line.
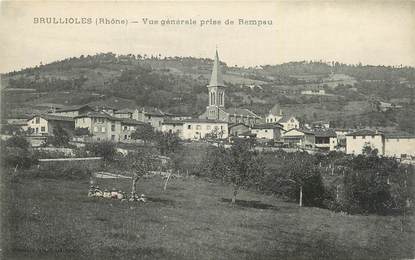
point(45, 124)
point(356, 141)
point(153, 116)
point(172, 126)
point(289, 122)
point(320, 125)
point(216, 107)
point(128, 126)
point(267, 131)
point(325, 139)
point(237, 129)
point(72, 111)
point(101, 126)
point(299, 138)
point(195, 129)
point(274, 115)
point(399, 145)
point(124, 113)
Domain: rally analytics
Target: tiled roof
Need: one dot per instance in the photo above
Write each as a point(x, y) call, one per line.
point(173, 122)
point(300, 130)
point(267, 126)
point(129, 121)
point(193, 120)
point(100, 115)
point(364, 132)
point(325, 133)
point(124, 111)
point(285, 119)
point(399, 135)
point(54, 118)
point(240, 112)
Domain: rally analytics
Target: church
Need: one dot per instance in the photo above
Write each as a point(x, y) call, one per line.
point(216, 108)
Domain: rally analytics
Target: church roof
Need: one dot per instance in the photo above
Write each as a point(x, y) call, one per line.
point(240, 112)
point(216, 78)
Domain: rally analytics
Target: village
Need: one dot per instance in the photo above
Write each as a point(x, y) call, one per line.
point(274, 130)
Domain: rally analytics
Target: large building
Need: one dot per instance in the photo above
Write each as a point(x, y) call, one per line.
point(195, 129)
point(397, 145)
point(46, 123)
point(216, 108)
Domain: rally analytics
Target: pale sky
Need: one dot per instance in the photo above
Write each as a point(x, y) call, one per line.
point(350, 32)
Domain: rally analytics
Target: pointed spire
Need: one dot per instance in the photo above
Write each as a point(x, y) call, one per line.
point(216, 79)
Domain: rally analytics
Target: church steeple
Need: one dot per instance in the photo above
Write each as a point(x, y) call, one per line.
point(216, 78)
point(216, 90)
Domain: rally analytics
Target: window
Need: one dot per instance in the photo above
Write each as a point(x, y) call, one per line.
point(112, 137)
point(125, 137)
point(149, 117)
point(266, 131)
point(95, 129)
point(354, 137)
point(125, 128)
point(42, 129)
point(373, 136)
point(112, 128)
point(37, 130)
point(37, 120)
point(189, 126)
point(103, 129)
point(364, 137)
point(198, 127)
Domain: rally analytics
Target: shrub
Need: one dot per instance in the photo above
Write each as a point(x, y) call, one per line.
point(17, 157)
point(103, 149)
point(18, 142)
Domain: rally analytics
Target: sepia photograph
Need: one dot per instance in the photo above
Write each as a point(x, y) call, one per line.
point(197, 129)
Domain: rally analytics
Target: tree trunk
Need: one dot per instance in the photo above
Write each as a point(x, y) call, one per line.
point(235, 192)
point(133, 188)
point(301, 196)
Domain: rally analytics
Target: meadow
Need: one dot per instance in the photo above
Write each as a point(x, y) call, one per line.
point(193, 219)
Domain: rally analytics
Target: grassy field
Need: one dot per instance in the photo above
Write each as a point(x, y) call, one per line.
point(192, 219)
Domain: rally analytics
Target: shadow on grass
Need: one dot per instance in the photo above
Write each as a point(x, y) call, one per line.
point(162, 201)
point(256, 204)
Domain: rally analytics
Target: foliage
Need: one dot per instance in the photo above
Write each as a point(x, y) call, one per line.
point(104, 149)
point(167, 142)
point(239, 166)
point(145, 133)
point(60, 137)
point(81, 131)
point(18, 142)
point(15, 157)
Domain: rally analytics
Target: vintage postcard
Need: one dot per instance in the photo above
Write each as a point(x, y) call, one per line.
point(207, 129)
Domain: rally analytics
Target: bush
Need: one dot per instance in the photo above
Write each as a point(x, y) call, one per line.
point(18, 142)
point(17, 157)
point(103, 149)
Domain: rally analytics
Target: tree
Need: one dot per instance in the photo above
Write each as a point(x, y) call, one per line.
point(103, 149)
point(167, 142)
point(142, 164)
point(18, 142)
point(145, 133)
point(245, 168)
point(60, 137)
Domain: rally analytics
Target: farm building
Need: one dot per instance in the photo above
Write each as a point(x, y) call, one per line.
point(46, 123)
